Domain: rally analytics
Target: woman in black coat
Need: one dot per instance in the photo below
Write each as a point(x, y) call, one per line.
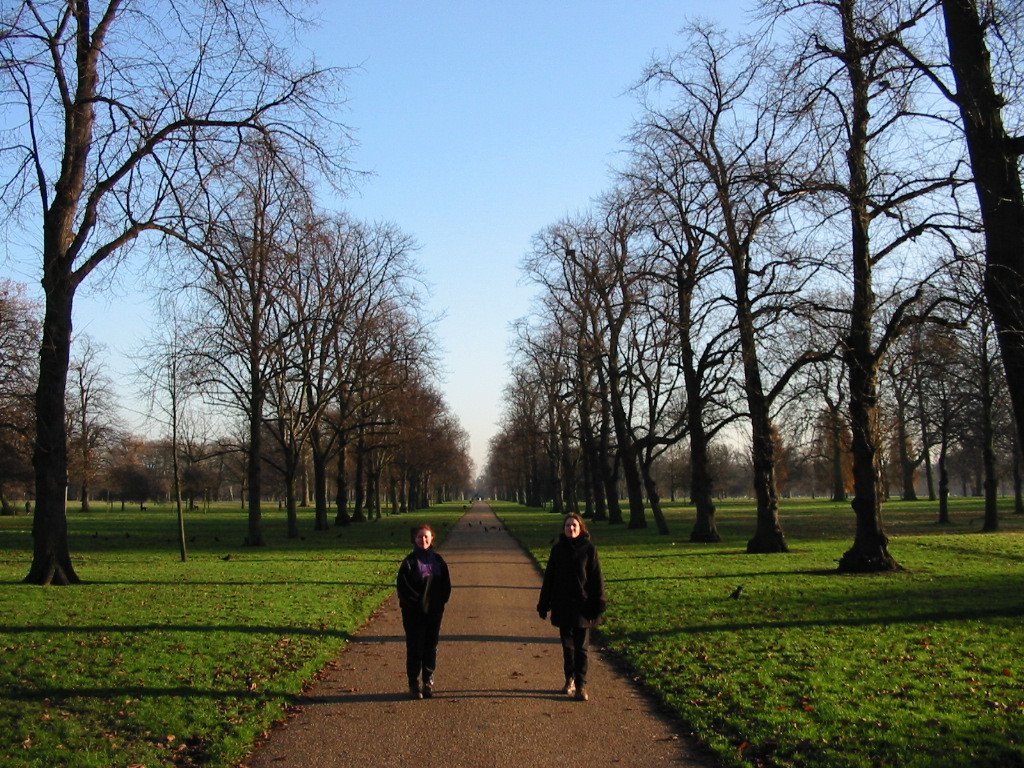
point(573, 592)
point(424, 586)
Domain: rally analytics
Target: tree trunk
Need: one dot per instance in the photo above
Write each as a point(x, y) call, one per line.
point(907, 464)
point(608, 466)
point(705, 529)
point(926, 444)
point(291, 474)
point(994, 161)
point(943, 484)
point(1018, 481)
point(870, 551)
point(654, 498)
point(838, 479)
point(627, 456)
point(51, 555)
point(988, 455)
point(358, 515)
point(320, 522)
point(255, 466)
point(342, 517)
point(768, 537)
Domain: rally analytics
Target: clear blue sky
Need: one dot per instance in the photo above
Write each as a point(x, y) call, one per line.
point(482, 122)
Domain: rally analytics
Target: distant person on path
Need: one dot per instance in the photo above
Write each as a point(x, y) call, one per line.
point(424, 587)
point(573, 592)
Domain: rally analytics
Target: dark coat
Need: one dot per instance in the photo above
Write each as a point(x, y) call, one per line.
point(419, 594)
point(573, 589)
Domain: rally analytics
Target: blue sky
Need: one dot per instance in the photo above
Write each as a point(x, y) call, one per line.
point(481, 123)
point(484, 122)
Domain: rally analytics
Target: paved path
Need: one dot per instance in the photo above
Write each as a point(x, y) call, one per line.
point(496, 699)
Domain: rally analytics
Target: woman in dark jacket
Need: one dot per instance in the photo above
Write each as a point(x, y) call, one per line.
point(573, 592)
point(424, 587)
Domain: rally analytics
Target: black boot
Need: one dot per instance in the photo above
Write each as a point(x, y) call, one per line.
point(581, 689)
point(414, 689)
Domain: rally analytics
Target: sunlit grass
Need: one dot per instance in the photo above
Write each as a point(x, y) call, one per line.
point(158, 662)
point(811, 668)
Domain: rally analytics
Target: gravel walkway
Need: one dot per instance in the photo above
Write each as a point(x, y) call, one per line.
point(497, 699)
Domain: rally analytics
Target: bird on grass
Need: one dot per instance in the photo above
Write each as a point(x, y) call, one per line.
point(737, 592)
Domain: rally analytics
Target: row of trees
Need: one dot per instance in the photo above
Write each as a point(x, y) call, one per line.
point(793, 256)
point(185, 127)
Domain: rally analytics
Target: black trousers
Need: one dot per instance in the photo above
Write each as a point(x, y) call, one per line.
point(574, 652)
point(421, 633)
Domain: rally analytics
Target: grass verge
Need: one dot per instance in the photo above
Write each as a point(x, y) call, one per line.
point(808, 668)
point(157, 662)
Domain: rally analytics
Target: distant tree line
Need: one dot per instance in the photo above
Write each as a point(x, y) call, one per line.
point(791, 286)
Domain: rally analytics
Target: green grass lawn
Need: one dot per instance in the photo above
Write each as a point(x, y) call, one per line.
point(157, 662)
point(811, 668)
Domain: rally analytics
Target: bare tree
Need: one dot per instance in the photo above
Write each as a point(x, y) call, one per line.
point(246, 260)
point(726, 113)
point(983, 88)
point(92, 414)
point(676, 217)
point(168, 381)
point(888, 173)
point(19, 336)
point(126, 110)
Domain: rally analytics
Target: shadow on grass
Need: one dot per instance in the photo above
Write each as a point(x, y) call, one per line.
point(227, 583)
point(139, 692)
point(860, 621)
point(973, 552)
point(137, 628)
point(732, 576)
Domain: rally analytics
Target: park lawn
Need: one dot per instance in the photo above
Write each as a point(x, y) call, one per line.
point(811, 668)
point(152, 661)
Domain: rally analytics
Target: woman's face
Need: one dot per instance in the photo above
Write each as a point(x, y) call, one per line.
point(424, 538)
point(572, 527)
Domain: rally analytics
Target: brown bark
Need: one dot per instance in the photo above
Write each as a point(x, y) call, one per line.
point(870, 545)
point(994, 161)
point(51, 557)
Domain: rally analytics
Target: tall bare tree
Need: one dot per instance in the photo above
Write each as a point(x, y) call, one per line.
point(246, 258)
point(126, 108)
point(982, 90)
point(726, 113)
point(888, 173)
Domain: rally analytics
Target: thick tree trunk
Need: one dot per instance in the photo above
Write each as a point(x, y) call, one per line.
point(627, 456)
point(870, 550)
point(994, 161)
point(51, 555)
point(654, 498)
point(320, 522)
point(768, 537)
point(907, 464)
point(705, 529)
point(1018, 481)
point(255, 467)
